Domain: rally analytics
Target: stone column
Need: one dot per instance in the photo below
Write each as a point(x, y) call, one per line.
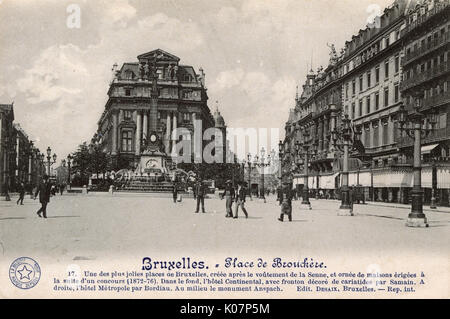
point(145, 125)
point(325, 132)
point(114, 133)
point(168, 133)
point(174, 135)
point(138, 133)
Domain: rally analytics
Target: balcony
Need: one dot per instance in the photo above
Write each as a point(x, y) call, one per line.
point(435, 44)
point(436, 136)
point(435, 100)
point(432, 73)
point(423, 19)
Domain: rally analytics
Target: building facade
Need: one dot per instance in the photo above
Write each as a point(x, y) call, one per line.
point(397, 61)
point(20, 160)
point(148, 101)
point(426, 70)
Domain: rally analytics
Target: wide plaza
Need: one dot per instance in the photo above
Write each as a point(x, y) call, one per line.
point(98, 225)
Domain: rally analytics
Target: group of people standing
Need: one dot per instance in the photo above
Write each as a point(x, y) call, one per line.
point(237, 196)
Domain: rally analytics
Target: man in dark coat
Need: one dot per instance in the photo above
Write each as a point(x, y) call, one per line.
point(200, 194)
point(44, 196)
point(286, 202)
point(229, 195)
point(21, 191)
point(175, 191)
point(240, 200)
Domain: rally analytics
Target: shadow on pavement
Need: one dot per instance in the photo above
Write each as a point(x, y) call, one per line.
point(63, 216)
point(6, 218)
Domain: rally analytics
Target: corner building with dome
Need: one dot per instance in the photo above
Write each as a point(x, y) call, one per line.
point(147, 101)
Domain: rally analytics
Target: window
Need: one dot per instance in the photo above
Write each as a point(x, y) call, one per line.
point(353, 115)
point(386, 69)
point(360, 105)
point(377, 74)
point(127, 92)
point(127, 115)
point(375, 134)
point(387, 41)
point(369, 82)
point(353, 87)
point(397, 63)
point(361, 83)
point(346, 90)
point(377, 101)
point(368, 105)
point(385, 132)
point(386, 97)
point(367, 135)
point(442, 120)
point(127, 140)
point(396, 93)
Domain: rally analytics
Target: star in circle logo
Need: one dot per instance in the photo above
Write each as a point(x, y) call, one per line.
point(24, 273)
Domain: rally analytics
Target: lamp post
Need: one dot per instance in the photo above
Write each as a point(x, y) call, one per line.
point(433, 184)
point(417, 125)
point(280, 159)
point(49, 160)
point(261, 163)
point(69, 162)
point(249, 163)
point(344, 139)
point(304, 149)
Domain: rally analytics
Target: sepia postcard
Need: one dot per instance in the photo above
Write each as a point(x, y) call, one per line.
point(228, 149)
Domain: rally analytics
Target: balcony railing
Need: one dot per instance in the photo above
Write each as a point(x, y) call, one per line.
point(439, 7)
point(435, 136)
point(425, 76)
point(431, 46)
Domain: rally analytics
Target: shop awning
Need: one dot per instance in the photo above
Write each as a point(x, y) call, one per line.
point(426, 149)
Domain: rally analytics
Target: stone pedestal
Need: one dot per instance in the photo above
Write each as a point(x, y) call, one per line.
point(417, 222)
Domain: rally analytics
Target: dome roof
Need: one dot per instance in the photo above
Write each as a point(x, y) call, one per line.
point(218, 118)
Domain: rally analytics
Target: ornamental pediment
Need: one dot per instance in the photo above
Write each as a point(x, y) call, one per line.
point(159, 55)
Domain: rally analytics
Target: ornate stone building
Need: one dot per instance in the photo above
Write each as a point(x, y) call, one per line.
point(401, 59)
point(426, 81)
point(148, 101)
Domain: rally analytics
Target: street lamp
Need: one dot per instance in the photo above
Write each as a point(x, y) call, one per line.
point(49, 159)
point(417, 125)
point(69, 163)
point(261, 163)
point(249, 163)
point(344, 138)
point(304, 149)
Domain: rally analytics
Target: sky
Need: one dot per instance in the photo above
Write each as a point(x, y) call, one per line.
point(254, 54)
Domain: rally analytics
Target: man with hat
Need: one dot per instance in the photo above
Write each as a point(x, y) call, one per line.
point(43, 190)
point(240, 199)
point(200, 195)
point(286, 201)
point(229, 195)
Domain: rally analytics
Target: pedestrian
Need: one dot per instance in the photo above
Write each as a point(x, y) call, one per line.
point(44, 196)
point(175, 192)
point(286, 202)
point(279, 195)
point(21, 190)
point(229, 195)
point(240, 199)
point(200, 195)
point(351, 195)
point(61, 189)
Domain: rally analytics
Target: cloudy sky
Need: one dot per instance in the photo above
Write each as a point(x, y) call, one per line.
point(254, 53)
